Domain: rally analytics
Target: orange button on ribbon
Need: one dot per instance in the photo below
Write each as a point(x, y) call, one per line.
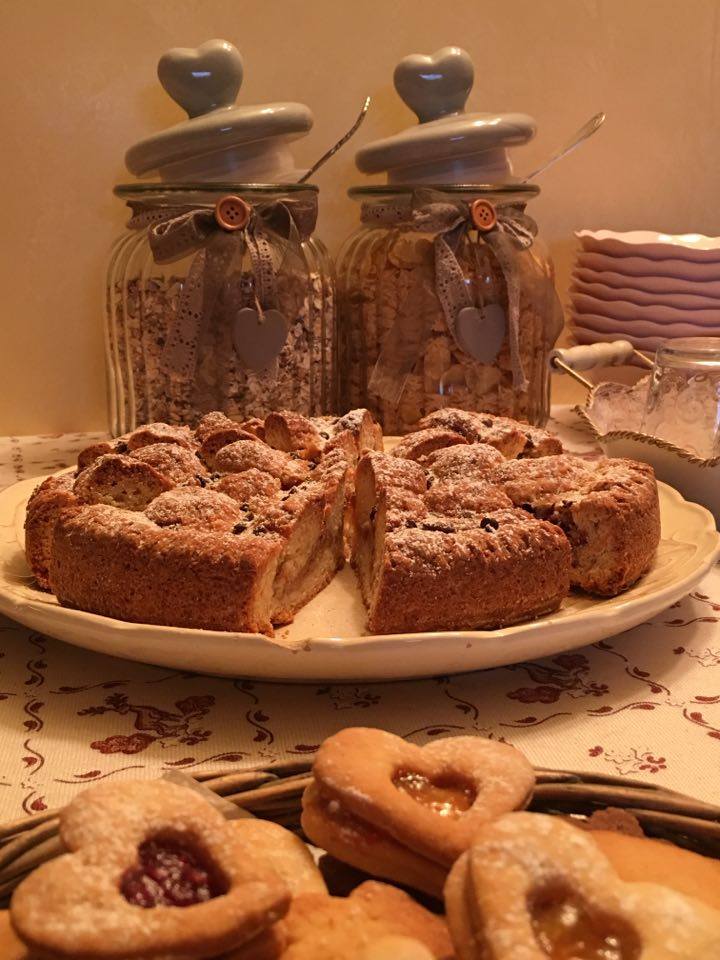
point(483, 215)
point(232, 213)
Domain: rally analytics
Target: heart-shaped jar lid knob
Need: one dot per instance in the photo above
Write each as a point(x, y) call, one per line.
point(220, 140)
point(202, 78)
point(448, 145)
point(437, 85)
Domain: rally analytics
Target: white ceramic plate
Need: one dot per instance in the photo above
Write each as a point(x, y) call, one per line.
point(627, 329)
point(687, 302)
point(709, 320)
point(655, 246)
point(637, 266)
point(706, 289)
point(327, 640)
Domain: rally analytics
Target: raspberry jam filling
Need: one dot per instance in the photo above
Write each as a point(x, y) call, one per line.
point(447, 797)
point(170, 874)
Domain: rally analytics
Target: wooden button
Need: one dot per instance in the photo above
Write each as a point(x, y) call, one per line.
point(483, 215)
point(232, 213)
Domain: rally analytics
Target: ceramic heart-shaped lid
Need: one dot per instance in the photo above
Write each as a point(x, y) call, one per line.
point(220, 140)
point(448, 145)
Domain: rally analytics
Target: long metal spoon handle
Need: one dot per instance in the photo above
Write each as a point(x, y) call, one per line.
point(585, 131)
point(341, 143)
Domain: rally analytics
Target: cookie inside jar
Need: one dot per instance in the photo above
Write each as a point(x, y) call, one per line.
point(567, 929)
point(446, 297)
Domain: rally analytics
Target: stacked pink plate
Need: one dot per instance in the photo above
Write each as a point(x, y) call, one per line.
point(645, 287)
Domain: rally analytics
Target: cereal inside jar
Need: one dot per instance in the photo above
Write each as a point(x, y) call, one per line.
point(446, 295)
point(219, 296)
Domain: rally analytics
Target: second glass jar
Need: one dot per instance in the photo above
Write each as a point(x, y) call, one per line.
point(405, 275)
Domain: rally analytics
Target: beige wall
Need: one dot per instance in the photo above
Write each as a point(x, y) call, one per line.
point(77, 86)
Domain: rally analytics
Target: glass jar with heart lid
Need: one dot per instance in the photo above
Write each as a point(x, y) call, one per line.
point(219, 296)
point(446, 294)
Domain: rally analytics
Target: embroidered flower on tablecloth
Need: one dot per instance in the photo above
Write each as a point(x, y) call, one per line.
point(345, 697)
point(135, 743)
point(653, 764)
point(152, 724)
point(571, 661)
point(564, 674)
point(636, 762)
point(707, 658)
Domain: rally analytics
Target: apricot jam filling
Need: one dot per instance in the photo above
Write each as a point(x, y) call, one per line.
point(567, 930)
point(446, 796)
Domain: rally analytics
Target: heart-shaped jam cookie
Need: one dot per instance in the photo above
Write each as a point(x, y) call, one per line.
point(534, 887)
point(153, 870)
point(354, 841)
point(407, 812)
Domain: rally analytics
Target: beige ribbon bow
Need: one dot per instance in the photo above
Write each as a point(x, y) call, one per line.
point(433, 212)
point(176, 232)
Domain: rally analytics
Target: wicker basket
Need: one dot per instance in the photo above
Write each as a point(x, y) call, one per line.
point(274, 793)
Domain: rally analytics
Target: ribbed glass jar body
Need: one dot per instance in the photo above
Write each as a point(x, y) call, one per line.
point(181, 335)
point(388, 282)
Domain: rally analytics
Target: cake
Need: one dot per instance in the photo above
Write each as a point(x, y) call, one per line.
point(471, 522)
point(211, 528)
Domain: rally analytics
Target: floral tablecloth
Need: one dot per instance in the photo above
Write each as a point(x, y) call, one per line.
point(645, 704)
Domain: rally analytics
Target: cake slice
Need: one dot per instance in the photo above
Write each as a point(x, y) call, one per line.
point(309, 520)
point(421, 570)
point(145, 532)
point(47, 502)
point(608, 509)
point(196, 557)
point(388, 491)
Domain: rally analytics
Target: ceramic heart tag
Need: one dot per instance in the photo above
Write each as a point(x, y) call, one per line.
point(202, 78)
point(258, 341)
point(437, 85)
point(480, 331)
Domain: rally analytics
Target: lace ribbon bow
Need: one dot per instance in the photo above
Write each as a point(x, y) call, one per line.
point(176, 232)
point(449, 220)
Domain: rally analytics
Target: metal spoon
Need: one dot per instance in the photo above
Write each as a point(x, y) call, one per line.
point(586, 130)
point(341, 143)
